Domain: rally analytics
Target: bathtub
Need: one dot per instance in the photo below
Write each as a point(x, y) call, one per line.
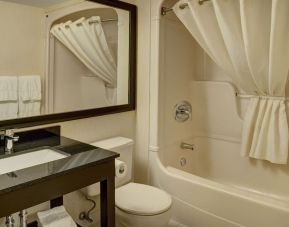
point(219, 188)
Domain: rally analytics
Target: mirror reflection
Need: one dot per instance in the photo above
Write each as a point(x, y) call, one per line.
point(60, 56)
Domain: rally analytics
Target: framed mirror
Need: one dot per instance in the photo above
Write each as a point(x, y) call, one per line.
point(65, 59)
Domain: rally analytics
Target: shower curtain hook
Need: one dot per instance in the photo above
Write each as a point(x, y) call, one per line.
point(183, 6)
point(165, 10)
point(201, 2)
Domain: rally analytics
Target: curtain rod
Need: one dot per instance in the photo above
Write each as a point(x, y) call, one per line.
point(96, 21)
point(106, 20)
point(165, 10)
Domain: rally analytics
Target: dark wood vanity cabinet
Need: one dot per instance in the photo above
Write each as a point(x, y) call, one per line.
point(84, 166)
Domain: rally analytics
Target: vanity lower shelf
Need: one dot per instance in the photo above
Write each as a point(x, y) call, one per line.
point(53, 203)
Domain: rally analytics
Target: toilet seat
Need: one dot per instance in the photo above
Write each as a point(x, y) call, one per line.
point(143, 200)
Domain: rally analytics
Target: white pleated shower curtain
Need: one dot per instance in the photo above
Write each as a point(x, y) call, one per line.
point(249, 39)
point(86, 39)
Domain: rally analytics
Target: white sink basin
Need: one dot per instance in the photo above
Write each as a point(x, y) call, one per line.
point(30, 159)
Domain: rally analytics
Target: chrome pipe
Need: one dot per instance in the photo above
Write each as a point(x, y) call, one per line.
point(23, 218)
point(9, 221)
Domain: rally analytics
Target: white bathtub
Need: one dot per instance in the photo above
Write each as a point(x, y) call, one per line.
point(219, 188)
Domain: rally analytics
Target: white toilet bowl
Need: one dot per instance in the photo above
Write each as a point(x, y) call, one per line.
point(139, 205)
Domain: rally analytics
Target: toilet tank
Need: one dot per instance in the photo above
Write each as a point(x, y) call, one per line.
point(123, 146)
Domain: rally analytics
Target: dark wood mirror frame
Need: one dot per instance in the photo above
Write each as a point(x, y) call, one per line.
point(74, 115)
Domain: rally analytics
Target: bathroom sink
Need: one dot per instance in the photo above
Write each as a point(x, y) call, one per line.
point(30, 159)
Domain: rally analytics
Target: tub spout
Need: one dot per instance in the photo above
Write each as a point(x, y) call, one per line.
point(187, 146)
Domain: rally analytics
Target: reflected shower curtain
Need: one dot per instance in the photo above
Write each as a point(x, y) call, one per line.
point(88, 43)
point(249, 39)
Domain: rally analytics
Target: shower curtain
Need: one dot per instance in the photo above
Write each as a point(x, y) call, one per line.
point(249, 39)
point(85, 38)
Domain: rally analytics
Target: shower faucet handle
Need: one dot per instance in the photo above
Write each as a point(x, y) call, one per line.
point(183, 111)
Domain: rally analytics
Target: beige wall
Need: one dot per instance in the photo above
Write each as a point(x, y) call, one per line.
point(22, 40)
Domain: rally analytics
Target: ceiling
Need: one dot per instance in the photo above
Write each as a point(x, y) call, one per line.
point(37, 3)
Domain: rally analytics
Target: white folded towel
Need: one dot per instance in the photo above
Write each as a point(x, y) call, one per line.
point(29, 95)
point(29, 109)
point(8, 97)
point(30, 88)
point(8, 110)
point(56, 217)
point(8, 88)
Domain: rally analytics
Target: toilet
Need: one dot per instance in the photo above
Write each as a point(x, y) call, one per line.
point(142, 206)
point(137, 205)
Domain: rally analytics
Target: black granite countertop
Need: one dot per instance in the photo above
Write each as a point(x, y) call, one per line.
point(80, 155)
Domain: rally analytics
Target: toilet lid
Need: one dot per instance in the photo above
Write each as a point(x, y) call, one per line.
point(142, 199)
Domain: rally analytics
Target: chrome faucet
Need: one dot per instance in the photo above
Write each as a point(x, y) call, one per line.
point(9, 139)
